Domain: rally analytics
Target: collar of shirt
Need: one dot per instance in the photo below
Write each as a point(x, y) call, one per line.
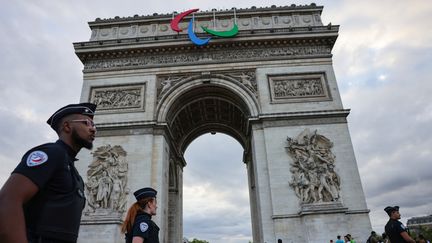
point(145, 214)
point(69, 150)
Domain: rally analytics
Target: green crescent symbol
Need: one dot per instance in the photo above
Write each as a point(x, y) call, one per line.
point(229, 33)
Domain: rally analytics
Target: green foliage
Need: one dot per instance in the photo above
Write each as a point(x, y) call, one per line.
point(198, 241)
point(425, 231)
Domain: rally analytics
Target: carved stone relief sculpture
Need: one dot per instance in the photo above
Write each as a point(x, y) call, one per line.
point(247, 78)
point(127, 97)
point(168, 82)
point(299, 87)
point(231, 55)
point(106, 186)
point(314, 179)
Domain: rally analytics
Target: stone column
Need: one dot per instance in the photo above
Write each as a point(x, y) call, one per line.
point(263, 225)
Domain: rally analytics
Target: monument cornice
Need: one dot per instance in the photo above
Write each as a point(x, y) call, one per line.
point(246, 19)
point(227, 12)
point(288, 32)
point(220, 51)
point(153, 124)
point(179, 40)
point(341, 113)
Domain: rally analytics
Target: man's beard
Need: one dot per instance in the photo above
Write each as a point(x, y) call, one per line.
point(80, 141)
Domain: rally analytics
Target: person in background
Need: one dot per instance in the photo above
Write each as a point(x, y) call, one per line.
point(384, 238)
point(349, 238)
point(339, 240)
point(373, 238)
point(43, 198)
point(394, 229)
point(422, 239)
point(138, 226)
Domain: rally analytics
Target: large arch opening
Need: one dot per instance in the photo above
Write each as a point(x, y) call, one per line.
point(201, 108)
point(215, 191)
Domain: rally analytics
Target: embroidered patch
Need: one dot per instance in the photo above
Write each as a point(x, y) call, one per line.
point(36, 158)
point(143, 227)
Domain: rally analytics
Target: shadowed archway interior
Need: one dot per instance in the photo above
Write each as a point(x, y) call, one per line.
point(204, 109)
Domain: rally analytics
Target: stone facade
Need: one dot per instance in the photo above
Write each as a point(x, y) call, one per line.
point(272, 87)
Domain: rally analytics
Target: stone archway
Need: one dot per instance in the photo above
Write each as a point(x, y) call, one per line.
point(272, 87)
point(205, 104)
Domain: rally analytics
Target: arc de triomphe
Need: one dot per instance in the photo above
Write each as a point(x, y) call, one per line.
point(271, 87)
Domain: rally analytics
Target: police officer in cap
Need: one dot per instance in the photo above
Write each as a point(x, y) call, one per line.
point(138, 226)
point(43, 199)
point(394, 229)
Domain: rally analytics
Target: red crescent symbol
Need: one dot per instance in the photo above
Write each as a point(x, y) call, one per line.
point(175, 21)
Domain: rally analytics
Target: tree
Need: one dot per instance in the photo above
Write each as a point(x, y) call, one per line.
point(425, 231)
point(198, 241)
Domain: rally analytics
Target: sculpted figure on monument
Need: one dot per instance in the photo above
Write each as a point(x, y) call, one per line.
point(106, 181)
point(168, 83)
point(313, 177)
point(104, 187)
point(245, 79)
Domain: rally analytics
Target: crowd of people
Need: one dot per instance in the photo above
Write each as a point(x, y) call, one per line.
point(346, 238)
point(394, 231)
point(376, 238)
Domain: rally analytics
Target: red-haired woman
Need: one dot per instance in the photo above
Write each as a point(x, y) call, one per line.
point(138, 226)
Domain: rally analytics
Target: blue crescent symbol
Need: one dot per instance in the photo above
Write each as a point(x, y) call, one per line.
point(197, 41)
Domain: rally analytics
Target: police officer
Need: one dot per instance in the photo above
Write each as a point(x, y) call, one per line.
point(394, 229)
point(138, 226)
point(42, 200)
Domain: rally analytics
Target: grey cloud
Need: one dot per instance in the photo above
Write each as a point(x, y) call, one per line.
point(390, 127)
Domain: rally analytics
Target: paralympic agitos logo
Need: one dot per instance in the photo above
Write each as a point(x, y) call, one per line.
point(193, 37)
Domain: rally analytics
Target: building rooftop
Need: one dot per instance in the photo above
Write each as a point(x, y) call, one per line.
point(220, 11)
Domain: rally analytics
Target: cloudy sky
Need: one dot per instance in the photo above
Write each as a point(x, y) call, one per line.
point(382, 60)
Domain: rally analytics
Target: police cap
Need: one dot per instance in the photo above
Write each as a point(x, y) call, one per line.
point(390, 209)
point(87, 109)
point(145, 192)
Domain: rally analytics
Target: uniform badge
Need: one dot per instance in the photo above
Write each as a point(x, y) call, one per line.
point(143, 227)
point(36, 158)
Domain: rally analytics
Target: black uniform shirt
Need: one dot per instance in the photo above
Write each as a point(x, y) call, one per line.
point(145, 228)
point(55, 211)
point(393, 229)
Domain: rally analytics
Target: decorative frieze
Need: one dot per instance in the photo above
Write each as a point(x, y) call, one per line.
point(298, 87)
point(106, 186)
point(208, 56)
point(314, 179)
point(124, 98)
